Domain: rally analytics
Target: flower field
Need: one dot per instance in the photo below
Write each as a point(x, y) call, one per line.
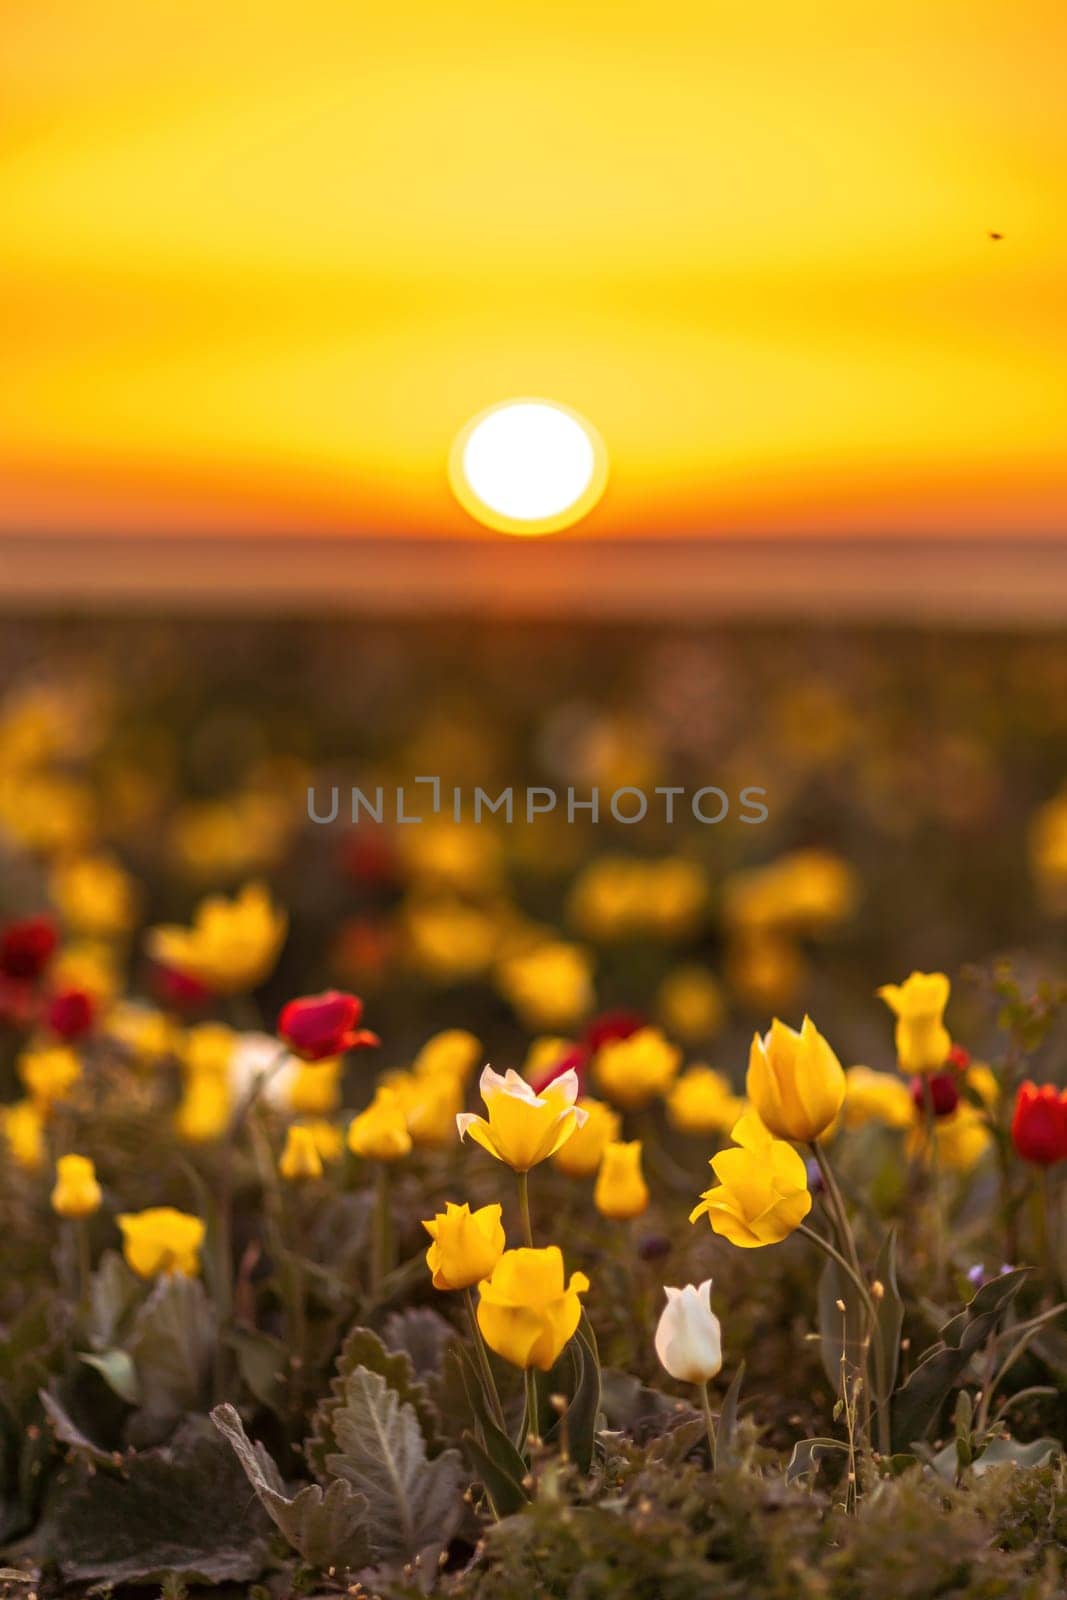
point(561, 1203)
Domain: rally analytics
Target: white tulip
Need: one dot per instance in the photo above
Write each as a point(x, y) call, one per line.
point(689, 1337)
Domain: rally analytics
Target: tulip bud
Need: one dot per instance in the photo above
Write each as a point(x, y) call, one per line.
point(620, 1191)
point(943, 1094)
point(689, 1336)
point(76, 1193)
point(300, 1160)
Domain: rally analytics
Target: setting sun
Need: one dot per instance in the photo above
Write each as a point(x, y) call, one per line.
point(528, 467)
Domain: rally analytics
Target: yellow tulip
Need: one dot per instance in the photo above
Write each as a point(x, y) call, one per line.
point(87, 965)
point(703, 1101)
point(431, 1106)
point(620, 1191)
point(526, 1312)
point(466, 1245)
point(876, 1097)
point(635, 1070)
point(795, 1082)
point(76, 1192)
point(148, 1034)
point(523, 1128)
point(381, 1132)
point(161, 1241)
point(329, 1140)
point(314, 1088)
point(232, 944)
point(922, 1040)
point(690, 1003)
point(209, 1048)
point(451, 1053)
point(765, 968)
point(550, 986)
point(95, 896)
point(961, 1139)
point(22, 1125)
point(49, 1074)
point(204, 1110)
point(545, 1053)
point(580, 1156)
point(300, 1160)
point(762, 1193)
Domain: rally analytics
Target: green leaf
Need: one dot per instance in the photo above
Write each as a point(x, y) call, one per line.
point(890, 1321)
point(580, 1418)
point(118, 1372)
point(493, 1471)
point(807, 1453)
point(494, 1441)
point(68, 1433)
point(261, 1363)
point(328, 1528)
point(726, 1431)
point(917, 1404)
point(422, 1334)
point(362, 1348)
point(172, 1344)
point(113, 1292)
point(182, 1509)
point(414, 1502)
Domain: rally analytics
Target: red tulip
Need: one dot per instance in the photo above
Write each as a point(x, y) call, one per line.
point(958, 1059)
point(323, 1025)
point(18, 1002)
point(69, 1014)
point(1039, 1125)
point(179, 989)
point(26, 947)
point(943, 1091)
point(611, 1025)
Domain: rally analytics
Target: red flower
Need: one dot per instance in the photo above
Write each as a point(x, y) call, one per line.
point(26, 947)
point(577, 1057)
point(324, 1025)
point(611, 1025)
point(70, 1013)
point(944, 1091)
point(179, 989)
point(958, 1059)
point(18, 1002)
point(1039, 1125)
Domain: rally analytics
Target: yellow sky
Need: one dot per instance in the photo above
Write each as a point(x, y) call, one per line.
point(261, 262)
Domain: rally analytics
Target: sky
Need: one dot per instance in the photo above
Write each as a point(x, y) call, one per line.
point(261, 263)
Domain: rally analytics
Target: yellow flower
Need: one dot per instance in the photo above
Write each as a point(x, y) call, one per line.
point(580, 1156)
point(146, 1033)
point(46, 812)
point(450, 941)
point(523, 1128)
point(209, 1048)
point(690, 1003)
point(381, 1132)
point(922, 1040)
point(795, 1081)
point(466, 1245)
point(762, 1193)
point(451, 1053)
point(23, 1127)
point(703, 1101)
point(300, 1160)
point(430, 1104)
point(635, 1070)
point(95, 896)
point(961, 1139)
point(76, 1192)
point(550, 986)
point(49, 1074)
point(620, 1191)
point(314, 1088)
point(618, 897)
point(329, 1140)
point(876, 1097)
point(448, 855)
point(545, 1053)
point(765, 968)
point(802, 892)
point(1048, 852)
point(86, 965)
point(526, 1312)
point(203, 1112)
point(982, 1080)
point(161, 1241)
point(232, 944)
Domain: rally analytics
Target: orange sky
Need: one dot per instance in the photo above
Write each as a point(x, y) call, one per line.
point(261, 262)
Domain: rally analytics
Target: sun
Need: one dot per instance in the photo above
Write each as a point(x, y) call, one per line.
point(528, 467)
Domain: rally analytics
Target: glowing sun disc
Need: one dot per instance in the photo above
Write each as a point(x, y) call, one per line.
point(528, 466)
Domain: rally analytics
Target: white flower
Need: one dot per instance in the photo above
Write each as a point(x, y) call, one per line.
point(255, 1055)
point(689, 1337)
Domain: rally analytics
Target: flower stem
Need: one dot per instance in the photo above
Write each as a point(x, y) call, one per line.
point(85, 1259)
point(935, 1182)
point(709, 1420)
point(872, 1339)
point(488, 1381)
point(523, 1179)
point(382, 1244)
point(531, 1406)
